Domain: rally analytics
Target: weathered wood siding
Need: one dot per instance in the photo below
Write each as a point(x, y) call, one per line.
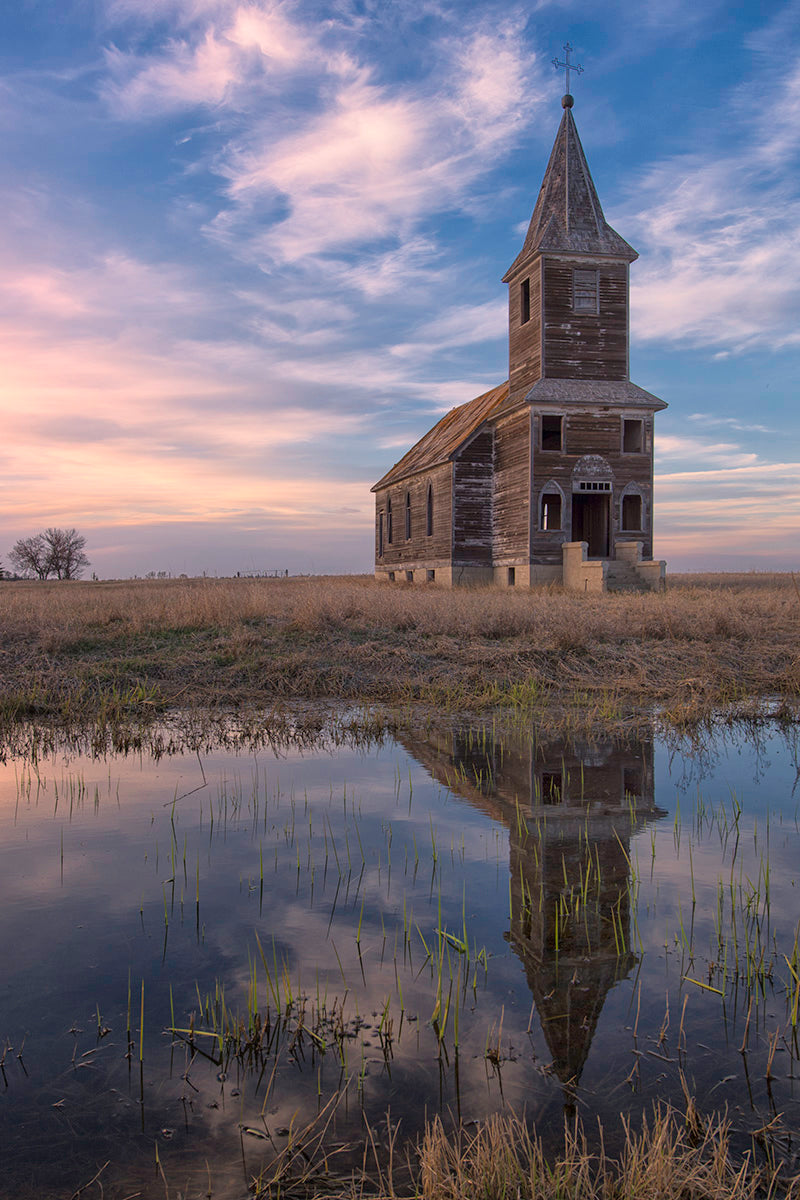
point(512, 489)
point(473, 500)
point(419, 549)
point(599, 432)
point(525, 340)
point(577, 345)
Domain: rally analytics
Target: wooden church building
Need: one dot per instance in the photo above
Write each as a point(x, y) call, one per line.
point(547, 478)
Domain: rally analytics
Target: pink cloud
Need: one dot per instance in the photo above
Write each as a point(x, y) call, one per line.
point(748, 513)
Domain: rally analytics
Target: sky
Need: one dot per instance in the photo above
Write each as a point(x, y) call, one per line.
point(251, 251)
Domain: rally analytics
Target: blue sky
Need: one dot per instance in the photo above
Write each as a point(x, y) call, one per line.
point(252, 251)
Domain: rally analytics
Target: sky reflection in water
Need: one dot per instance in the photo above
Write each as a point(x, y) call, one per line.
point(585, 921)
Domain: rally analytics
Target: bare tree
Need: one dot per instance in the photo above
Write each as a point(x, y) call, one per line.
point(66, 558)
point(56, 552)
point(29, 556)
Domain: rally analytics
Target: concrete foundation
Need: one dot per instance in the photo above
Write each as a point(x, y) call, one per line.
point(627, 570)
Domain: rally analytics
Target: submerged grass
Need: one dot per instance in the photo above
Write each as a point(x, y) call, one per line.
point(108, 653)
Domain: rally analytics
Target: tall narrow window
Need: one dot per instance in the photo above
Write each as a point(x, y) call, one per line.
point(408, 515)
point(633, 436)
point(429, 512)
point(380, 535)
point(632, 512)
point(525, 302)
point(584, 292)
point(389, 530)
point(551, 511)
point(551, 431)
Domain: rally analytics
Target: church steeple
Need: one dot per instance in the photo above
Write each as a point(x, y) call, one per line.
point(568, 217)
point(568, 286)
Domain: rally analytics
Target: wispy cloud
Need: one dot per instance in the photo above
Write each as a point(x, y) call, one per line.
point(372, 159)
point(677, 447)
point(463, 325)
point(234, 52)
point(715, 421)
point(708, 517)
point(721, 231)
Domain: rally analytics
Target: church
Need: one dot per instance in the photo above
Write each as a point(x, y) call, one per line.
point(548, 477)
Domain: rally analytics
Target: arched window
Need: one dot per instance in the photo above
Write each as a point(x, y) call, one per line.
point(552, 509)
point(632, 512)
point(389, 530)
point(429, 512)
point(408, 515)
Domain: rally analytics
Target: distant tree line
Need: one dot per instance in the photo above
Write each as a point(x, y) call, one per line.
point(52, 554)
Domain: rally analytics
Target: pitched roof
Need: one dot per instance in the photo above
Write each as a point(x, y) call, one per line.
point(568, 217)
point(440, 443)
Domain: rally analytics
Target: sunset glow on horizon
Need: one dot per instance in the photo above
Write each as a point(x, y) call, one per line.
point(252, 251)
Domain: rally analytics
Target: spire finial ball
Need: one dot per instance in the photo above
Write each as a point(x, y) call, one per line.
point(567, 101)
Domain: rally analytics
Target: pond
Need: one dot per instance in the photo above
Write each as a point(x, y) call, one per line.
point(206, 952)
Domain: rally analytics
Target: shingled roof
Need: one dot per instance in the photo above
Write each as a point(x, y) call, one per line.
point(568, 217)
point(440, 443)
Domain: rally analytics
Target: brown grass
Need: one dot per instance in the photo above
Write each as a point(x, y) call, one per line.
point(665, 1161)
point(707, 642)
point(670, 1158)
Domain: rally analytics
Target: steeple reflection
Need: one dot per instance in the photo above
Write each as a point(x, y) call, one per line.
point(571, 808)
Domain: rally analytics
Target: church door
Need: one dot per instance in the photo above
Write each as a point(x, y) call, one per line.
point(591, 522)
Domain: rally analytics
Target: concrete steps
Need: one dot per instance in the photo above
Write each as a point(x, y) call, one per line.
point(621, 577)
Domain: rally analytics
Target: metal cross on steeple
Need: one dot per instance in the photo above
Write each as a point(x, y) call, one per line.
point(568, 66)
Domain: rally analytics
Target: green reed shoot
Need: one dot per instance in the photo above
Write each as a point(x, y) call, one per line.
point(141, 1028)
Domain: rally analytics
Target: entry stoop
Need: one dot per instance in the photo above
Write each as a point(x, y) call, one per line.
point(627, 572)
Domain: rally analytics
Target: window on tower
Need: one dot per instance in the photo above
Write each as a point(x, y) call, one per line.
point(525, 302)
point(584, 292)
point(632, 436)
point(551, 429)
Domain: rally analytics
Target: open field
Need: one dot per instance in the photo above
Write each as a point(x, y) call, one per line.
point(84, 650)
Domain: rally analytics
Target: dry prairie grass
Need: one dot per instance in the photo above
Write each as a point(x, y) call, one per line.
point(708, 641)
point(667, 1160)
point(670, 1158)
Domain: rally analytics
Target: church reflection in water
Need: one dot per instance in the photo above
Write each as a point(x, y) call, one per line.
point(571, 809)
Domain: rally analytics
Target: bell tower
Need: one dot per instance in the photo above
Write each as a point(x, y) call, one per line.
point(568, 286)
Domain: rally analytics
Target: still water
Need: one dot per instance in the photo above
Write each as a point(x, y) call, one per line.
point(202, 951)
